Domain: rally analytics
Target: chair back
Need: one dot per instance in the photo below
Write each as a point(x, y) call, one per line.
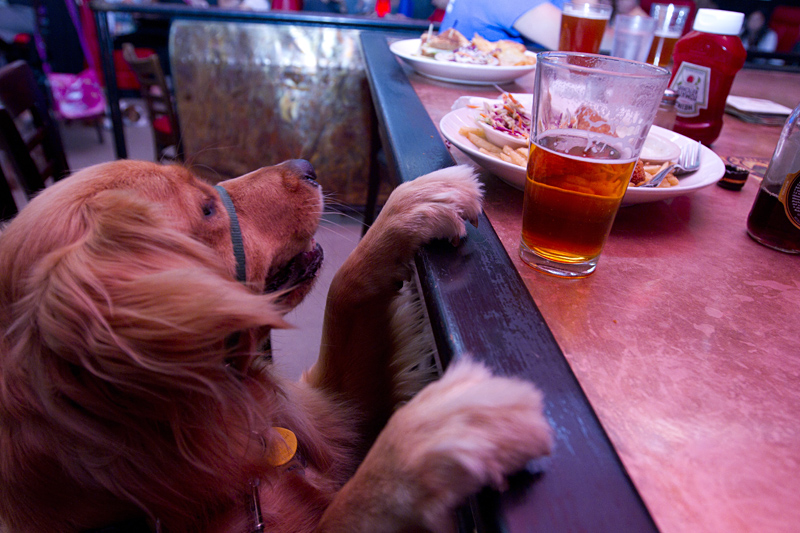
point(158, 99)
point(28, 134)
point(8, 206)
point(785, 22)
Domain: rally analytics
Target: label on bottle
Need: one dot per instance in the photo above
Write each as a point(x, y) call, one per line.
point(691, 82)
point(790, 198)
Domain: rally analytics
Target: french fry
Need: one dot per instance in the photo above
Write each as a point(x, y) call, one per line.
point(483, 143)
point(465, 131)
point(653, 169)
point(487, 152)
point(514, 157)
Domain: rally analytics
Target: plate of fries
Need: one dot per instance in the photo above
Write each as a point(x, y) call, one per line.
point(408, 51)
point(509, 164)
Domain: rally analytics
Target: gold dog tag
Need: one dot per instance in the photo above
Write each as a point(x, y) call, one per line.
point(284, 448)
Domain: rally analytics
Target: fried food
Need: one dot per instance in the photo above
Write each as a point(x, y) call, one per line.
point(638, 177)
point(451, 45)
point(642, 172)
point(449, 40)
point(648, 172)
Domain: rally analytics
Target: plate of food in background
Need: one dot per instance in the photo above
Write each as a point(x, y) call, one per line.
point(463, 128)
point(449, 56)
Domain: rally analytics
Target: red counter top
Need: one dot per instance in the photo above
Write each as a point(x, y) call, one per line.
point(685, 339)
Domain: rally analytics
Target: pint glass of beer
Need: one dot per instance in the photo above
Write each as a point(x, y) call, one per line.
point(582, 27)
point(591, 116)
point(670, 21)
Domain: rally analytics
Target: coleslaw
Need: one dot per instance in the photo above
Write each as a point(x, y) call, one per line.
point(509, 117)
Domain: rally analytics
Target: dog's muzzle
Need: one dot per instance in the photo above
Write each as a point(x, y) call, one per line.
point(236, 234)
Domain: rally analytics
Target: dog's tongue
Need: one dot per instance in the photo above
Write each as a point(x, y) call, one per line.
point(301, 268)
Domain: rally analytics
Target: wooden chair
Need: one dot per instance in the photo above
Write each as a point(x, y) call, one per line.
point(28, 134)
point(160, 108)
point(8, 206)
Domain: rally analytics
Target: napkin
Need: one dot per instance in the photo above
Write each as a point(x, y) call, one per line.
point(757, 110)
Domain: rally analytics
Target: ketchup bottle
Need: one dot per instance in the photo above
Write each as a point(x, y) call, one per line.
point(382, 7)
point(706, 61)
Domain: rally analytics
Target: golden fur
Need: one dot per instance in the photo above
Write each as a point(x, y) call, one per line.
point(131, 381)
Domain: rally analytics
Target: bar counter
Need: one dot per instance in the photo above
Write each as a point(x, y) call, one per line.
point(685, 338)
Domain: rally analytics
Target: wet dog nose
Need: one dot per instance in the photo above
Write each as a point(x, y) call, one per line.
point(303, 168)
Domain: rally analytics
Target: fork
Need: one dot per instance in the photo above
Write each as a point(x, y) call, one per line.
point(689, 161)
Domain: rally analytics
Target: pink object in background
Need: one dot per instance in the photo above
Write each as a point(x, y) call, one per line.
point(288, 5)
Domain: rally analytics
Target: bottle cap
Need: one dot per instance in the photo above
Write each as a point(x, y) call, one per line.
point(718, 21)
point(669, 98)
point(734, 178)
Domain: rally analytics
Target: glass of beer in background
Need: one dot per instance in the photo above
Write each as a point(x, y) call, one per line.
point(670, 21)
point(582, 27)
point(591, 116)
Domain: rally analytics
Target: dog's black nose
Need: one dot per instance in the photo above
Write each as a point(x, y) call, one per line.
point(303, 168)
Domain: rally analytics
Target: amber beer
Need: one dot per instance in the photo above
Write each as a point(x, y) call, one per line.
point(576, 181)
point(661, 49)
point(582, 27)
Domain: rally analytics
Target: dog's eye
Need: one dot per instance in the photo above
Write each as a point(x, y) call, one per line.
point(209, 208)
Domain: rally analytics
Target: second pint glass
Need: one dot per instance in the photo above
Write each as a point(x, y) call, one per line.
point(583, 26)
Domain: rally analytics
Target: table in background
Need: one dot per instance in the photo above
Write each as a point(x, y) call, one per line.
point(683, 340)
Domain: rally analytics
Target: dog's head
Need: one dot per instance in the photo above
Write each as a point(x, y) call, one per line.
point(128, 361)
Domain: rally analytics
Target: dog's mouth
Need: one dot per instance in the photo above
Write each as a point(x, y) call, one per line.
point(299, 272)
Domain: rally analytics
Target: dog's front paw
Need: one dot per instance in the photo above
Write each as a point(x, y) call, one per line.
point(467, 430)
point(433, 206)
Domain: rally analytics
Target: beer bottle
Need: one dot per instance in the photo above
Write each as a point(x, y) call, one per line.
point(774, 219)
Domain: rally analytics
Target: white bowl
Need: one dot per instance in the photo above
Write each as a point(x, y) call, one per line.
point(658, 149)
point(501, 138)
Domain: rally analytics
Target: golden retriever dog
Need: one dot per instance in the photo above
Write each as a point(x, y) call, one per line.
point(134, 391)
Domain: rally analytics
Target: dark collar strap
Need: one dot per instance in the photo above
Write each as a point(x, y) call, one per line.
point(236, 234)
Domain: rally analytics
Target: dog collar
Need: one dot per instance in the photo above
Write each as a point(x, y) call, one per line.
point(236, 234)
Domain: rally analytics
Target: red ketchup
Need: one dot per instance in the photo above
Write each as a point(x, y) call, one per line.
point(382, 7)
point(706, 61)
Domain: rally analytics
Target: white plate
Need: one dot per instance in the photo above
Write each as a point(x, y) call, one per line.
point(408, 49)
point(711, 166)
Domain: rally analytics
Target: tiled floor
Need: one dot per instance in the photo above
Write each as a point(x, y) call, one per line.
point(294, 350)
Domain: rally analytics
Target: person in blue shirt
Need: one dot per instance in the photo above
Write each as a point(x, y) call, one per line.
point(536, 22)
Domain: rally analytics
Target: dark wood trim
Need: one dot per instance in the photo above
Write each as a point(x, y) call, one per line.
point(479, 305)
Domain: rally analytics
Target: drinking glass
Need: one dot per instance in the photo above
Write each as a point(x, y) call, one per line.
point(670, 21)
point(591, 116)
point(582, 27)
point(633, 36)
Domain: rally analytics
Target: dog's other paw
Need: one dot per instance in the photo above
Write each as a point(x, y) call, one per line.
point(433, 206)
point(467, 430)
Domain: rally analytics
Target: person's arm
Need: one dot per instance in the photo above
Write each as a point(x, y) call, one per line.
point(542, 25)
point(768, 43)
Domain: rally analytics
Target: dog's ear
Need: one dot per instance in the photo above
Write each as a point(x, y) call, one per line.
point(120, 337)
point(136, 295)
